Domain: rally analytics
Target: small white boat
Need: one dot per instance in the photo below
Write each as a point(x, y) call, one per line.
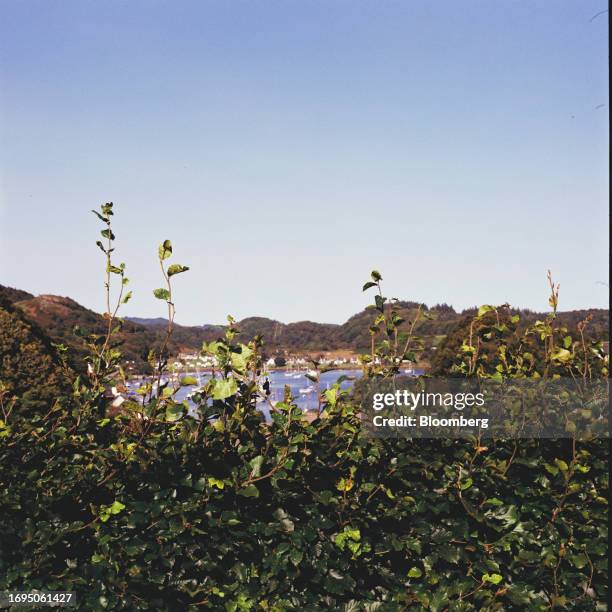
point(192, 393)
point(307, 390)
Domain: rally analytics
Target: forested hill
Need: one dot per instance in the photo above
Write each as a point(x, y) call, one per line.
point(58, 317)
point(30, 366)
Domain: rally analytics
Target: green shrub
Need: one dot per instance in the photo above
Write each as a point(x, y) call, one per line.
point(154, 509)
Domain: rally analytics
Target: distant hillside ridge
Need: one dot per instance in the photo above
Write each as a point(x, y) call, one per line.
point(58, 316)
point(158, 321)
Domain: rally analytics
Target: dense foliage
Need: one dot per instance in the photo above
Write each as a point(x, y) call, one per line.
point(154, 509)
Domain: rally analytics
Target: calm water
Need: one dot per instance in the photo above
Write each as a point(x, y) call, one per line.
point(302, 389)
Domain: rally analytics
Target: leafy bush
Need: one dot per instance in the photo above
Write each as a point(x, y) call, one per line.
point(154, 509)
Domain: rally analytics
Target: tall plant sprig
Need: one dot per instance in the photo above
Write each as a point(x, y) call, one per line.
point(389, 346)
point(165, 294)
point(104, 358)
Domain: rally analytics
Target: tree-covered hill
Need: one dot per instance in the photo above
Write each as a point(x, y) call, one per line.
point(64, 321)
point(59, 316)
point(30, 366)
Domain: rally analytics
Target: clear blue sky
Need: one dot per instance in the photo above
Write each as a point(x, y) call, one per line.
point(287, 148)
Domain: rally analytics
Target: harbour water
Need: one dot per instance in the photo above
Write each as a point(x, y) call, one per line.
point(302, 389)
point(305, 392)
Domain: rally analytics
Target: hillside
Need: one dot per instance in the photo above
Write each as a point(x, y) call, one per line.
point(30, 366)
point(149, 322)
point(59, 316)
point(12, 295)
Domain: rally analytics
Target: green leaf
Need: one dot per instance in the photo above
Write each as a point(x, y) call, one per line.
point(174, 412)
point(492, 578)
point(240, 359)
point(176, 269)
point(331, 396)
point(296, 556)
point(484, 309)
point(224, 388)
point(165, 250)
point(216, 482)
point(354, 534)
point(189, 381)
point(161, 294)
point(562, 355)
point(344, 484)
point(551, 469)
point(415, 572)
point(250, 491)
point(376, 276)
point(256, 464)
point(106, 511)
point(578, 561)
point(368, 285)
point(466, 484)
